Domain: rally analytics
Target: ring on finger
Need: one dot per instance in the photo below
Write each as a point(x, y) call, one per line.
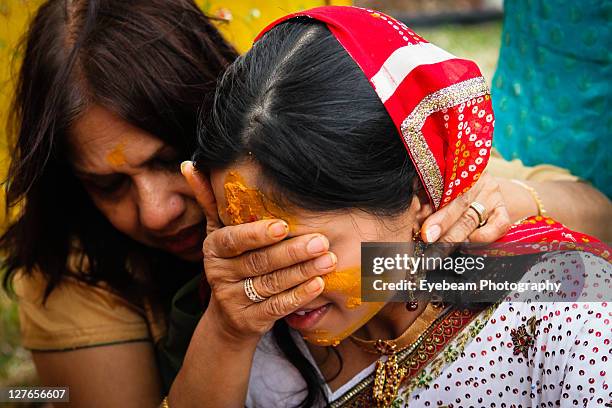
point(481, 211)
point(250, 291)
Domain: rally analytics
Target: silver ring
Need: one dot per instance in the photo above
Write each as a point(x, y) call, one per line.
point(481, 211)
point(250, 291)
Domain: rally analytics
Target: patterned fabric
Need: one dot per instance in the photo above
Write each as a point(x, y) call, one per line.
point(415, 358)
point(439, 103)
point(529, 354)
point(551, 90)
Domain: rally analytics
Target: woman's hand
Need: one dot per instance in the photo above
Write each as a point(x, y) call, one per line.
point(457, 222)
point(286, 272)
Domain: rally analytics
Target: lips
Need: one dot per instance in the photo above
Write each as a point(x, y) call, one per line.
point(305, 319)
point(186, 240)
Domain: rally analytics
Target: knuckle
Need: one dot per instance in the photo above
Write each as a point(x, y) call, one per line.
point(212, 275)
point(468, 222)
point(250, 234)
point(269, 284)
point(256, 262)
point(304, 270)
point(464, 200)
point(276, 307)
point(293, 252)
point(502, 221)
point(228, 240)
point(208, 248)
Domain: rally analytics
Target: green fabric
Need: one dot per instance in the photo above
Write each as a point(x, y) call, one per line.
point(551, 90)
point(185, 313)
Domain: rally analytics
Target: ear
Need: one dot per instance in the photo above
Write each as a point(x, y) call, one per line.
point(421, 206)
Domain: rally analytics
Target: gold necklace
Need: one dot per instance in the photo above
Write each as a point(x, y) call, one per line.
point(389, 375)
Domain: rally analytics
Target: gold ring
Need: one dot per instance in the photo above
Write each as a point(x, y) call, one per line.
point(481, 211)
point(250, 291)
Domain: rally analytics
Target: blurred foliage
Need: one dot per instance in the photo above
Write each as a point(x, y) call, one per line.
point(479, 42)
point(15, 365)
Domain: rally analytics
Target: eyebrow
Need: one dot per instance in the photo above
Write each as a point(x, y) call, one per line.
point(146, 162)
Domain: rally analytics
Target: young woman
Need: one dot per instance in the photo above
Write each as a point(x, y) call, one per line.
point(345, 124)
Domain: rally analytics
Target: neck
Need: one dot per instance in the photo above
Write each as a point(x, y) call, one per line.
point(390, 323)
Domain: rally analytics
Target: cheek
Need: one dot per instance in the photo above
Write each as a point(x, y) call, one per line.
point(345, 286)
point(120, 212)
point(348, 313)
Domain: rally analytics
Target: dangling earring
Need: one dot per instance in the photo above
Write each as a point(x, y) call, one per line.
point(412, 303)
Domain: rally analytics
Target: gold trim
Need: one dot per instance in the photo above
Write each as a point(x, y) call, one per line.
point(458, 344)
point(415, 140)
point(401, 356)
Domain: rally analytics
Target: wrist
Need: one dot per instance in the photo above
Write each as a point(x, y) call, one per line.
point(519, 202)
point(213, 324)
point(535, 197)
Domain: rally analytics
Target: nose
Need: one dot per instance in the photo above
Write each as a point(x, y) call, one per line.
point(160, 206)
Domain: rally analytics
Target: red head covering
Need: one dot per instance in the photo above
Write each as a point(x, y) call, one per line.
point(439, 103)
point(441, 107)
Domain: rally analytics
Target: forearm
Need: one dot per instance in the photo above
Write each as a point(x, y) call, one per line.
point(216, 369)
point(575, 204)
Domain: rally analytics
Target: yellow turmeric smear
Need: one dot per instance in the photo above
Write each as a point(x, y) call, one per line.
point(245, 204)
point(325, 338)
point(116, 157)
point(347, 281)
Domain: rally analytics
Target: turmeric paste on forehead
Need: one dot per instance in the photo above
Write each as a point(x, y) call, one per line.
point(116, 157)
point(245, 204)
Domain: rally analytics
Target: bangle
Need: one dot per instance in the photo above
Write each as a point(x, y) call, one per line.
point(164, 403)
point(534, 194)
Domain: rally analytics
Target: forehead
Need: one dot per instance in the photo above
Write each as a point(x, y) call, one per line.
point(101, 139)
point(243, 195)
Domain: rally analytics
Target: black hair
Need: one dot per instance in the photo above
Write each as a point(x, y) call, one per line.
point(302, 109)
point(153, 63)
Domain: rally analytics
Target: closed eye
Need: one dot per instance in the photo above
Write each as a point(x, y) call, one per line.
point(107, 184)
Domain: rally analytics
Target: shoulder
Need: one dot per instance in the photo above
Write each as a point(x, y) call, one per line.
point(274, 381)
point(75, 315)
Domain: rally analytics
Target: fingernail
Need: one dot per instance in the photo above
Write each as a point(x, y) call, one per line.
point(433, 233)
point(183, 164)
point(325, 261)
point(314, 285)
point(278, 229)
point(317, 245)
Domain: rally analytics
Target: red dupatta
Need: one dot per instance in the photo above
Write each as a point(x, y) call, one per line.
point(441, 107)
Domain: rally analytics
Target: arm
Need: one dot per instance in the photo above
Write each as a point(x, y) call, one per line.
point(94, 342)
point(217, 365)
point(216, 369)
point(577, 205)
point(573, 203)
point(122, 375)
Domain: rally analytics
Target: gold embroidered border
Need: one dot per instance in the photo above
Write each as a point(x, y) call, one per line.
point(451, 352)
point(412, 125)
point(402, 356)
